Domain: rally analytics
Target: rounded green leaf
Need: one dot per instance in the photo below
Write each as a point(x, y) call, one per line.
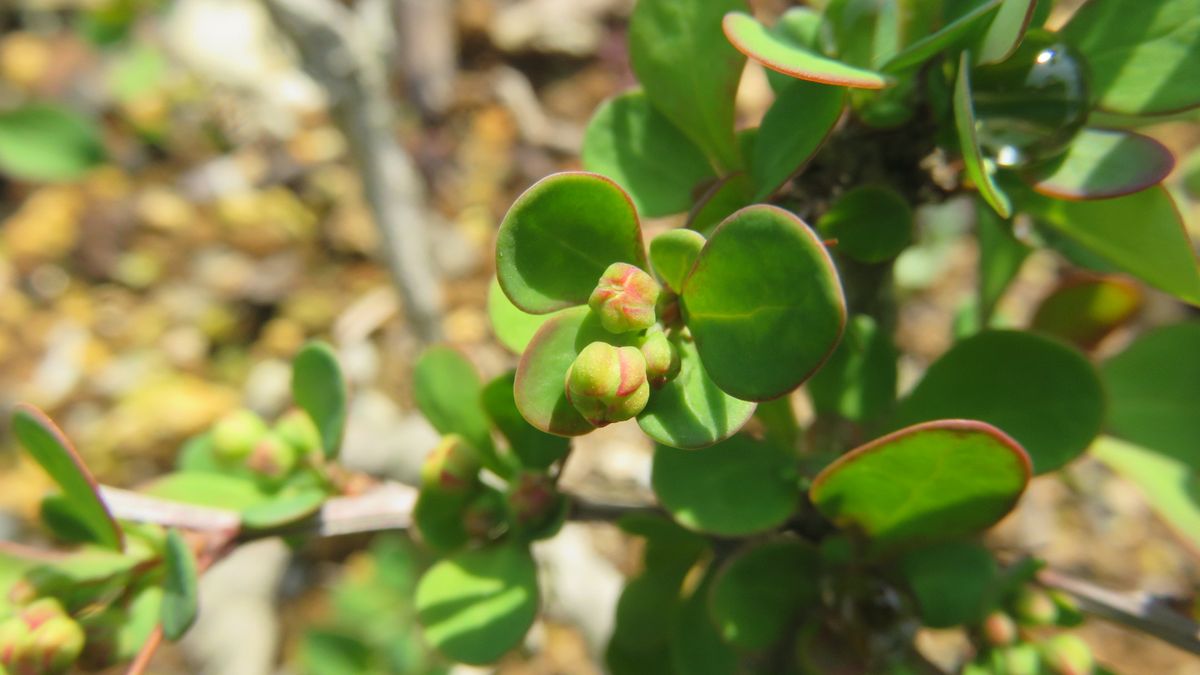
point(1141, 53)
point(319, 389)
point(764, 303)
point(949, 35)
point(695, 646)
point(690, 411)
point(207, 489)
point(180, 600)
point(51, 449)
point(672, 254)
point(859, 380)
point(513, 328)
point(737, 487)
point(1004, 33)
point(283, 509)
point(478, 604)
point(797, 124)
point(1156, 249)
point(690, 73)
point(720, 200)
point(800, 26)
point(534, 449)
point(42, 142)
point(951, 582)
point(1084, 310)
point(968, 140)
point(632, 143)
point(447, 389)
point(870, 223)
point(560, 235)
point(932, 481)
point(762, 590)
point(784, 56)
point(1102, 163)
point(1037, 390)
point(540, 389)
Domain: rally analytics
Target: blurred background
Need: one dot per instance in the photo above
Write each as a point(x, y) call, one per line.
point(191, 189)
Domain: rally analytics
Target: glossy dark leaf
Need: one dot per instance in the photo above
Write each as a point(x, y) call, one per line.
point(1102, 163)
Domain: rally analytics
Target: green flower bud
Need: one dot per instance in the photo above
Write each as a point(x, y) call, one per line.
point(235, 436)
point(297, 429)
point(624, 298)
point(1033, 607)
point(999, 629)
point(272, 457)
point(41, 611)
point(662, 358)
point(55, 645)
point(1067, 654)
point(608, 384)
point(451, 468)
point(15, 640)
point(1020, 659)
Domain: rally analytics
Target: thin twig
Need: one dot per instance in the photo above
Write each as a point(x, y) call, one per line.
point(1141, 611)
point(137, 507)
point(142, 660)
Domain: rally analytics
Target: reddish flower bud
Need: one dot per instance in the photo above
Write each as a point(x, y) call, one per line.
point(15, 640)
point(40, 611)
point(451, 467)
point(608, 384)
point(999, 629)
point(55, 645)
point(662, 358)
point(533, 500)
point(272, 457)
point(1067, 654)
point(624, 298)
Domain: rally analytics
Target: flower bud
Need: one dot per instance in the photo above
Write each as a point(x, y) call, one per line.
point(533, 501)
point(451, 467)
point(272, 457)
point(1067, 654)
point(608, 384)
point(624, 298)
point(483, 519)
point(297, 429)
point(41, 611)
point(1033, 607)
point(15, 640)
point(999, 629)
point(1020, 659)
point(55, 645)
point(662, 358)
point(236, 434)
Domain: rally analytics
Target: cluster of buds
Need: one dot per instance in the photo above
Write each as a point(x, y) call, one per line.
point(41, 638)
point(1014, 653)
point(608, 384)
point(243, 438)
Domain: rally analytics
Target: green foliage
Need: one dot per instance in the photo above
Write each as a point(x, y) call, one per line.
point(950, 581)
point(776, 52)
point(46, 143)
point(319, 389)
point(1102, 163)
point(180, 587)
point(761, 591)
point(870, 224)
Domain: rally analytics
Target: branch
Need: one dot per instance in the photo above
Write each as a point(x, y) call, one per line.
point(1141, 611)
point(342, 57)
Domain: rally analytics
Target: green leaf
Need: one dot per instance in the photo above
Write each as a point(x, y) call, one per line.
point(951, 35)
point(535, 449)
point(440, 519)
point(690, 411)
point(1168, 483)
point(928, 482)
point(951, 582)
point(632, 143)
point(1041, 392)
point(560, 235)
point(870, 223)
point(1141, 53)
point(672, 254)
point(709, 489)
point(762, 591)
point(283, 509)
point(764, 303)
point(59, 518)
point(180, 587)
point(978, 170)
point(690, 73)
point(1000, 257)
point(695, 646)
point(542, 371)
point(1102, 163)
point(797, 123)
point(799, 26)
point(319, 389)
point(513, 327)
point(723, 198)
point(207, 489)
point(1156, 250)
point(1085, 309)
point(51, 449)
point(859, 380)
point(1004, 33)
point(45, 142)
point(785, 56)
point(478, 604)
point(447, 389)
